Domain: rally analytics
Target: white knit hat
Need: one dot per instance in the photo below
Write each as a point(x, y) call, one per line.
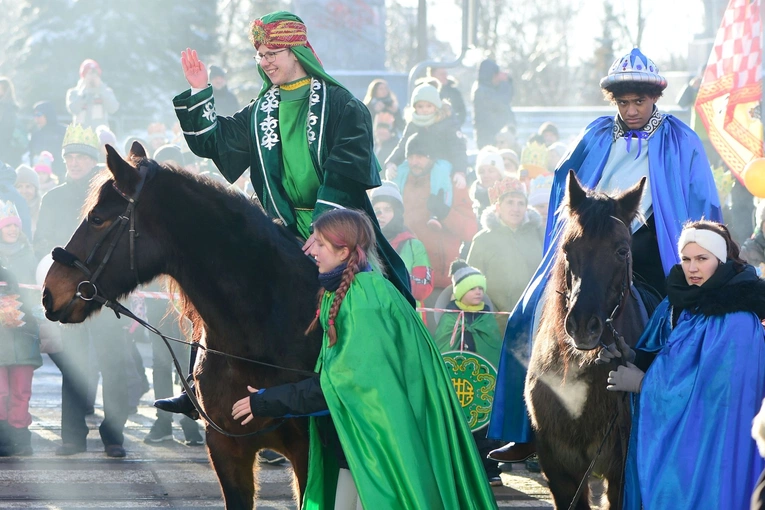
point(426, 93)
point(490, 156)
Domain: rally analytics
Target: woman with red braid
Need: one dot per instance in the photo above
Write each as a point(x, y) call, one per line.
point(400, 437)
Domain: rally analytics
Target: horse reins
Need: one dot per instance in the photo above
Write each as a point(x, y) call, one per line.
point(69, 259)
point(615, 333)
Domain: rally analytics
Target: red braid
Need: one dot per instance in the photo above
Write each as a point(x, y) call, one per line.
point(348, 275)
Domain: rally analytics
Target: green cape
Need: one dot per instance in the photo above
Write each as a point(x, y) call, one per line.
point(401, 426)
point(486, 335)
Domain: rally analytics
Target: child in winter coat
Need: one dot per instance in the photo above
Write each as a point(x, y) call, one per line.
point(389, 209)
point(405, 446)
point(430, 118)
point(19, 335)
point(468, 329)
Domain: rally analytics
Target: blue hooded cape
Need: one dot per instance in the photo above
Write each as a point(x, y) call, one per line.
point(682, 188)
point(690, 445)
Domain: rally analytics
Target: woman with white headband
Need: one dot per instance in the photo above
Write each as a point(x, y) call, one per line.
point(690, 445)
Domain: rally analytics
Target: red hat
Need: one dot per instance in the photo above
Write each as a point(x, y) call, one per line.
point(87, 65)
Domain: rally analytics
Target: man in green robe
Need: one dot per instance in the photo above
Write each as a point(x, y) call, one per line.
point(306, 140)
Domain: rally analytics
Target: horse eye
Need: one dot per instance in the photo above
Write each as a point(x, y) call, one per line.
point(96, 220)
point(623, 252)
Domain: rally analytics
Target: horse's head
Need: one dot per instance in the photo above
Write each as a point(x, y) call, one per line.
point(595, 266)
point(102, 259)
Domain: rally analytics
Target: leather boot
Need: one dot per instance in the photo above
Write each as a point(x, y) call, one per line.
point(513, 452)
point(181, 404)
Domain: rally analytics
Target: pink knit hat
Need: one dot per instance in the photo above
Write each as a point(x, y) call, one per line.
point(9, 215)
point(43, 162)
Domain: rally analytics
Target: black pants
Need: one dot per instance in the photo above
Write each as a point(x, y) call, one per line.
point(162, 365)
point(103, 337)
point(484, 446)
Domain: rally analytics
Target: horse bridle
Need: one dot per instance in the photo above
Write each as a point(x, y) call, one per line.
point(619, 303)
point(128, 217)
point(69, 259)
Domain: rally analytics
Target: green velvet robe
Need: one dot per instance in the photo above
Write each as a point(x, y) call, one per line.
point(339, 132)
point(402, 429)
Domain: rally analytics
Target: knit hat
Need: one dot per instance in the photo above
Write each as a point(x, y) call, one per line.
point(43, 163)
point(417, 144)
point(9, 215)
point(490, 156)
point(87, 65)
point(465, 278)
point(540, 189)
point(633, 67)
point(169, 153)
point(105, 136)
point(427, 93)
point(505, 186)
point(533, 160)
point(548, 126)
point(513, 157)
point(25, 175)
point(388, 191)
point(710, 240)
point(216, 71)
point(79, 140)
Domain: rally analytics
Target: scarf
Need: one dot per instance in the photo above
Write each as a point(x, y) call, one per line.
point(686, 297)
point(331, 279)
point(8, 250)
point(424, 120)
point(470, 308)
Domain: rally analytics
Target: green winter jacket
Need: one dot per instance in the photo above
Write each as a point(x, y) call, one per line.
point(507, 258)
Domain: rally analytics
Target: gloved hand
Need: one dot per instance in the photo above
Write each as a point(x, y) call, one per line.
point(437, 207)
point(625, 378)
point(615, 350)
point(611, 352)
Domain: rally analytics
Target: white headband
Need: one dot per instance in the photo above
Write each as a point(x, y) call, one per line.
point(710, 241)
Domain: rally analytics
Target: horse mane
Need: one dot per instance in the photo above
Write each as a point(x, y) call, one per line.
point(242, 223)
point(593, 218)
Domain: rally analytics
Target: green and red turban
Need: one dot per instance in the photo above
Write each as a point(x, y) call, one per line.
point(283, 29)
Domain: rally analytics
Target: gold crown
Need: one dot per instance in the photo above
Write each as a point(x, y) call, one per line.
point(77, 135)
point(534, 154)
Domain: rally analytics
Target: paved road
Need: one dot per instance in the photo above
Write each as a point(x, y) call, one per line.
point(168, 476)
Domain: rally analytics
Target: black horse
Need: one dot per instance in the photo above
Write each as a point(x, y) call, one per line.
point(247, 278)
point(588, 300)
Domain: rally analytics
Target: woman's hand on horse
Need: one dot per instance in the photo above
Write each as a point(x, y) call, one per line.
point(610, 352)
point(607, 354)
point(193, 69)
point(242, 407)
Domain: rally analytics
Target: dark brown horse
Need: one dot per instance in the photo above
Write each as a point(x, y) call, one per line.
point(566, 394)
point(248, 279)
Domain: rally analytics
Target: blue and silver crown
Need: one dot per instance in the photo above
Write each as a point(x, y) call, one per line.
point(634, 67)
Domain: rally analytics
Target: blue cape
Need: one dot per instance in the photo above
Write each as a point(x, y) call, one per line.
point(682, 188)
point(690, 445)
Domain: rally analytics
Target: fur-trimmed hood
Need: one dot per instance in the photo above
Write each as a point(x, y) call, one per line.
point(747, 296)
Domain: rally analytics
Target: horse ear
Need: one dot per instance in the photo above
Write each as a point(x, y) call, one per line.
point(124, 174)
point(137, 151)
point(576, 193)
point(629, 202)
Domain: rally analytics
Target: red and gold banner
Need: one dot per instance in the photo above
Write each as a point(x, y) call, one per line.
point(728, 101)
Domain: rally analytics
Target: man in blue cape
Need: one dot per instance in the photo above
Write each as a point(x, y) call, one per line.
point(612, 153)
